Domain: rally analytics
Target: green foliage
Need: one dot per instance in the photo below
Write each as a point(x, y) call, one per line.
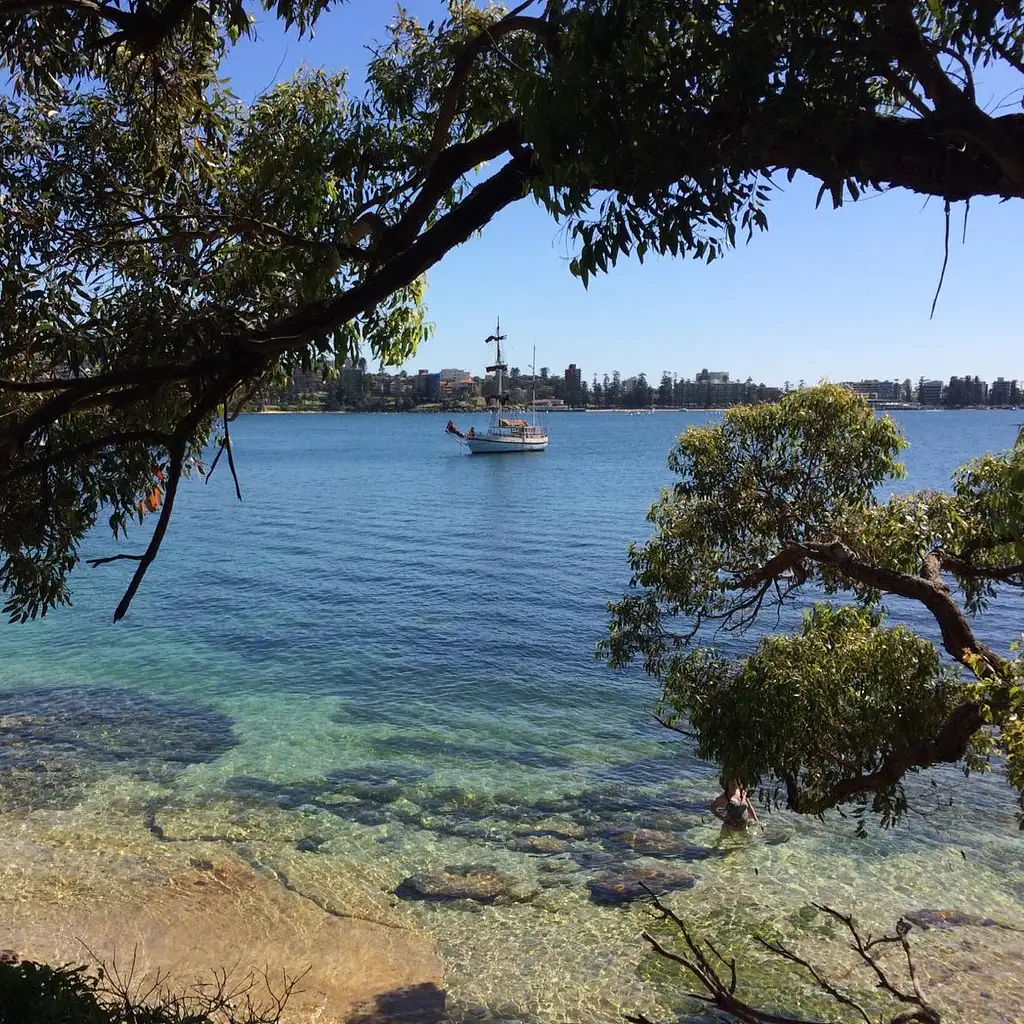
point(826, 704)
point(32, 993)
point(679, 111)
point(167, 252)
point(155, 243)
point(779, 504)
point(48, 995)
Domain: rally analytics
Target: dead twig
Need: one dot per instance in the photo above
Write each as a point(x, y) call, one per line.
point(721, 992)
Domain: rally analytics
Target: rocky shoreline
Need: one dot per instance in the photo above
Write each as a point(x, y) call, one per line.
point(402, 893)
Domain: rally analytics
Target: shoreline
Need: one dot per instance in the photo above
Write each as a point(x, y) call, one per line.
point(591, 412)
point(228, 876)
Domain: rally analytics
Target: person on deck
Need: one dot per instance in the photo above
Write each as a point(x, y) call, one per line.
point(733, 805)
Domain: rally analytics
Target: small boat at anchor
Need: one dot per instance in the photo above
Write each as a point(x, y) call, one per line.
point(503, 434)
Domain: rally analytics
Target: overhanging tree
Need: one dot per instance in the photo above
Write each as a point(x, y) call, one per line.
point(776, 507)
point(166, 251)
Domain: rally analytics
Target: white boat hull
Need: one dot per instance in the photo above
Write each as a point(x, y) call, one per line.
point(482, 445)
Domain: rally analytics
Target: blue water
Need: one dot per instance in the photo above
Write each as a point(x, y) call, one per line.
point(382, 602)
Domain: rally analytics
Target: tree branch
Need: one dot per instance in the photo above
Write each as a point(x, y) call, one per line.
point(951, 742)
point(948, 747)
point(13, 8)
point(150, 437)
point(957, 636)
point(722, 994)
point(94, 562)
point(445, 170)
point(486, 200)
point(512, 22)
point(177, 448)
point(966, 570)
point(924, 1012)
point(81, 390)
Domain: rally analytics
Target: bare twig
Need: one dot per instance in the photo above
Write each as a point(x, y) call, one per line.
point(924, 1012)
point(945, 262)
point(231, 457)
point(779, 949)
point(94, 562)
point(721, 994)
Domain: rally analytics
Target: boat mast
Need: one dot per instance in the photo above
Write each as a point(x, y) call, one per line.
point(498, 367)
point(497, 339)
point(533, 386)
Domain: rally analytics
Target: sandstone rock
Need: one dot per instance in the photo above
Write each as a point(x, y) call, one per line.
point(180, 932)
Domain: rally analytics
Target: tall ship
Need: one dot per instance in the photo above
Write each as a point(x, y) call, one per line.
point(504, 434)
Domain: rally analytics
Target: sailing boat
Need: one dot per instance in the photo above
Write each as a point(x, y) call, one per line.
point(502, 434)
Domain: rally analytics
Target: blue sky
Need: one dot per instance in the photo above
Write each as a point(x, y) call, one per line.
point(825, 293)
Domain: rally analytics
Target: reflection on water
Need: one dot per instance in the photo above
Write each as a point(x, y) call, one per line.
point(345, 683)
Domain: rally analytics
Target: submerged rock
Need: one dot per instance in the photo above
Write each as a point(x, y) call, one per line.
point(590, 859)
point(637, 884)
point(57, 740)
point(560, 828)
point(654, 843)
point(478, 882)
point(926, 919)
point(538, 844)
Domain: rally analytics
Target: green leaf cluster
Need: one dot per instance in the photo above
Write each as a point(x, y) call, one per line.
point(778, 507)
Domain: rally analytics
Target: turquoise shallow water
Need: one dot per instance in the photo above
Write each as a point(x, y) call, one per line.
point(396, 641)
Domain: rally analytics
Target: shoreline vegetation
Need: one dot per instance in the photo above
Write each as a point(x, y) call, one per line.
point(470, 410)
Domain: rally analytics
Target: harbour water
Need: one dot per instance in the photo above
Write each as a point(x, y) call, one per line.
point(381, 663)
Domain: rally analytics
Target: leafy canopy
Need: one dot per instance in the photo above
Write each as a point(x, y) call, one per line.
point(777, 507)
point(166, 251)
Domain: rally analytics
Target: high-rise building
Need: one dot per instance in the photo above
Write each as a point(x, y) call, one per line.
point(713, 377)
point(573, 378)
point(877, 390)
point(1004, 392)
point(929, 392)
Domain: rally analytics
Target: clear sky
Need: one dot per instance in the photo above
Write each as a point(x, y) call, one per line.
point(825, 293)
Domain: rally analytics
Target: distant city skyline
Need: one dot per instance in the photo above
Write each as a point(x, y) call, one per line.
point(713, 374)
point(837, 294)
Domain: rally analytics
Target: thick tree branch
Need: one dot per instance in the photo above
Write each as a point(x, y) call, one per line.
point(952, 741)
point(476, 210)
point(449, 166)
point(80, 391)
point(917, 55)
point(513, 22)
point(13, 8)
point(967, 570)
point(949, 746)
point(928, 589)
